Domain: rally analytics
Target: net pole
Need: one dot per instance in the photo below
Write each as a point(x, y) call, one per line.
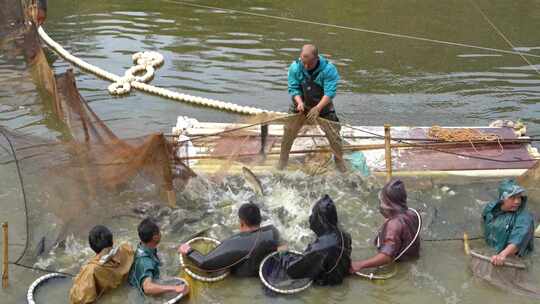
point(388, 152)
point(5, 271)
point(171, 198)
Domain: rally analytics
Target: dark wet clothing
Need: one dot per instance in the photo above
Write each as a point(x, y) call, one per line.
point(245, 251)
point(396, 234)
point(401, 225)
point(502, 228)
point(327, 260)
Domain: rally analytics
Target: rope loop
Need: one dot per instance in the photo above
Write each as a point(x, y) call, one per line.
point(149, 71)
point(119, 88)
point(146, 58)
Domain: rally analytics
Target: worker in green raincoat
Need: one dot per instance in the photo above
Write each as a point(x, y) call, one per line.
point(508, 226)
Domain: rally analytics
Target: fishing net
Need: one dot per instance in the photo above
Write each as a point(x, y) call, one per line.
point(76, 174)
point(203, 245)
point(509, 278)
point(273, 274)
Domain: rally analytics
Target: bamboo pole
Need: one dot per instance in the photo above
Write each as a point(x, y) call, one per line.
point(5, 273)
point(388, 151)
point(507, 264)
point(171, 198)
point(346, 148)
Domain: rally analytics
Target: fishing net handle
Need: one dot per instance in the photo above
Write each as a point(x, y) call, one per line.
point(372, 276)
point(180, 295)
point(197, 276)
point(506, 263)
point(275, 289)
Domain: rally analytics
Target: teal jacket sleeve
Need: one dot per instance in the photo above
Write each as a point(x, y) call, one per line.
point(294, 78)
point(142, 268)
point(522, 234)
point(330, 80)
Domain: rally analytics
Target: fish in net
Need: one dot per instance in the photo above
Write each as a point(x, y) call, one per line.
point(273, 274)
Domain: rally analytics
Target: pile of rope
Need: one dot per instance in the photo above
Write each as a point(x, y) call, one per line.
point(460, 134)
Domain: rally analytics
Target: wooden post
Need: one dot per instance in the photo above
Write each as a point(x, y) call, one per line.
point(264, 136)
point(388, 152)
point(5, 274)
point(171, 198)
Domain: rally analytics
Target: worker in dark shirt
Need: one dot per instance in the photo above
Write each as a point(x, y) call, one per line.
point(243, 252)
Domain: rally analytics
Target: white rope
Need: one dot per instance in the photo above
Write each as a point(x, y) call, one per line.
point(122, 85)
point(356, 29)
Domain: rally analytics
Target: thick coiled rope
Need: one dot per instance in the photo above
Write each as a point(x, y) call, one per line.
point(146, 62)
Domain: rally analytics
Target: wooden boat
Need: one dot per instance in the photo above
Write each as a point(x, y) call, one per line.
point(210, 148)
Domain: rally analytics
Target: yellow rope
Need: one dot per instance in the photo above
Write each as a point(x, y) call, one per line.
point(463, 135)
point(460, 134)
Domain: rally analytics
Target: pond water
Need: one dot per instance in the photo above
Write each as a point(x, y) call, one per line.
point(243, 59)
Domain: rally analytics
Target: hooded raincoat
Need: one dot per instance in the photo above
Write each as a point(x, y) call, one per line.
point(400, 226)
point(104, 272)
point(502, 228)
point(328, 258)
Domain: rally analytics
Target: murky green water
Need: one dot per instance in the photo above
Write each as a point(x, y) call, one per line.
point(243, 59)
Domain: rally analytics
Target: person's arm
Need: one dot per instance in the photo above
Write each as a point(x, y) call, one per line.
point(299, 103)
point(499, 259)
point(153, 289)
point(378, 260)
point(323, 103)
point(227, 253)
point(294, 87)
point(521, 235)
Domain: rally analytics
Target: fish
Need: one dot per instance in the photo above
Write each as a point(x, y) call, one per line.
point(253, 181)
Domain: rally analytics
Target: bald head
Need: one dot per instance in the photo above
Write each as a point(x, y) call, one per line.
point(309, 56)
point(310, 49)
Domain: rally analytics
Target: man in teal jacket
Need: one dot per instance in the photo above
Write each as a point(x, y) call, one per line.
point(312, 84)
point(508, 226)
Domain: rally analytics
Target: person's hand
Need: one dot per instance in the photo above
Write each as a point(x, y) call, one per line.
point(184, 249)
point(181, 289)
point(41, 16)
point(356, 266)
point(300, 106)
point(283, 248)
point(498, 260)
point(313, 113)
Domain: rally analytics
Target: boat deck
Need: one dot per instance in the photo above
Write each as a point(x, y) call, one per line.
point(511, 155)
